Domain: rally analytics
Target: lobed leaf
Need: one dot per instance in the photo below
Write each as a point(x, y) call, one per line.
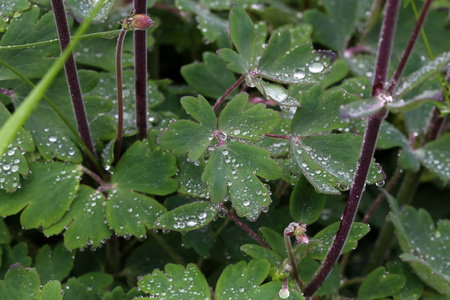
point(190, 177)
point(379, 284)
point(85, 221)
point(28, 28)
point(245, 281)
point(24, 283)
point(318, 248)
point(53, 265)
point(319, 113)
point(306, 205)
point(82, 8)
point(334, 28)
point(235, 167)
point(435, 156)
point(187, 217)
point(248, 124)
point(178, 283)
point(260, 252)
point(424, 245)
point(209, 78)
point(45, 195)
point(329, 161)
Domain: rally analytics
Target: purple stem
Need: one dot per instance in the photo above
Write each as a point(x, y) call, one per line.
point(409, 47)
point(367, 151)
point(140, 72)
point(72, 76)
point(243, 226)
point(238, 82)
point(119, 84)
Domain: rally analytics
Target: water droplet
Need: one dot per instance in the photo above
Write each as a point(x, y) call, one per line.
point(315, 67)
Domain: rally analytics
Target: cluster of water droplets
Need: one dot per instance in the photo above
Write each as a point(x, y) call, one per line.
point(11, 163)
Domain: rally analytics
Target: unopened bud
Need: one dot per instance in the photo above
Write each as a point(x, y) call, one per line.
point(141, 22)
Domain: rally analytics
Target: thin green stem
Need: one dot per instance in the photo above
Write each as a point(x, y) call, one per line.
point(105, 34)
point(10, 128)
point(167, 248)
point(119, 84)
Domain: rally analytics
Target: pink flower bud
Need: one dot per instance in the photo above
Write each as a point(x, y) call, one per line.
point(141, 22)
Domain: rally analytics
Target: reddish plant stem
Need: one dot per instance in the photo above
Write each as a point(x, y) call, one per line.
point(243, 226)
point(381, 196)
point(278, 136)
point(290, 252)
point(119, 84)
point(140, 72)
point(238, 82)
point(409, 47)
point(367, 151)
point(94, 176)
point(72, 76)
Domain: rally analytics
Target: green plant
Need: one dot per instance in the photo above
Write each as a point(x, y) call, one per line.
point(129, 192)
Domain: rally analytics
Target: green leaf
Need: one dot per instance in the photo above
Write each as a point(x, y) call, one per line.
point(85, 221)
point(178, 283)
point(209, 78)
point(5, 236)
point(212, 27)
point(259, 252)
point(321, 242)
point(190, 177)
point(13, 162)
point(16, 254)
point(338, 72)
point(435, 156)
point(52, 290)
point(54, 265)
point(187, 217)
point(419, 76)
point(28, 29)
point(319, 113)
point(329, 161)
point(299, 65)
point(306, 204)
point(379, 284)
point(236, 166)
point(45, 195)
point(362, 108)
point(9, 7)
point(243, 281)
point(275, 241)
point(146, 171)
point(24, 283)
point(140, 170)
point(202, 240)
point(413, 287)
point(307, 267)
point(334, 28)
point(248, 124)
point(243, 34)
point(106, 89)
point(51, 135)
point(187, 136)
point(424, 245)
point(82, 8)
